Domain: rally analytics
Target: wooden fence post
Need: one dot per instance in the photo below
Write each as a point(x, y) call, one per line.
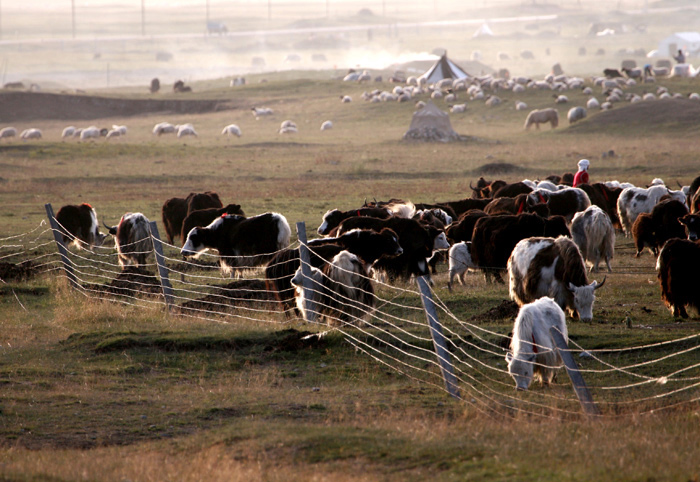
point(62, 250)
point(162, 268)
point(580, 388)
point(438, 338)
point(307, 282)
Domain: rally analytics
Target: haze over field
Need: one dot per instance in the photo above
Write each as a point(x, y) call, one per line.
point(90, 44)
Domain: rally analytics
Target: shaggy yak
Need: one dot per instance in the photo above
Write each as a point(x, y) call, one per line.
point(542, 116)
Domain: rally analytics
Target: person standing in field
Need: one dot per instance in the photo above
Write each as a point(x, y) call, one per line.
point(680, 58)
point(581, 176)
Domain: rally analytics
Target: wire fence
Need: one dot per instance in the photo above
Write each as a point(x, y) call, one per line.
point(392, 329)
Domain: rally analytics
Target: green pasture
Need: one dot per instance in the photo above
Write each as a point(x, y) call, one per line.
point(95, 390)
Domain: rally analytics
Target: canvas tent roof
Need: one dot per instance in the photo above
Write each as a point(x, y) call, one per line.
point(444, 68)
point(431, 124)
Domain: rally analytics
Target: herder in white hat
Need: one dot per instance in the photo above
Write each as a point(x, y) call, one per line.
point(581, 176)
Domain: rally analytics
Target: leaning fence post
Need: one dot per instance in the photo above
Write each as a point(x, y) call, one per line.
point(62, 251)
point(305, 262)
point(160, 262)
point(438, 338)
point(584, 396)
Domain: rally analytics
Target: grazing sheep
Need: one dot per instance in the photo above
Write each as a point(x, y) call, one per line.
point(451, 97)
point(231, 130)
point(345, 99)
point(164, 128)
point(121, 129)
point(288, 127)
point(542, 116)
point(458, 108)
point(8, 132)
point(258, 111)
point(68, 132)
point(493, 101)
point(420, 104)
point(575, 114)
point(561, 99)
point(519, 105)
point(31, 133)
point(185, 130)
point(694, 96)
point(592, 103)
point(326, 125)
point(288, 130)
point(587, 91)
point(113, 133)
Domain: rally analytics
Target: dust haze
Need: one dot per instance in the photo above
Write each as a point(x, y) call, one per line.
point(126, 44)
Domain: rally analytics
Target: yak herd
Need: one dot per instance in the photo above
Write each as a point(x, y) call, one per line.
point(547, 236)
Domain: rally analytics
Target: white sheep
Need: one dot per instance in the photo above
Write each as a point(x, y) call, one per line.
point(68, 132)
point(288, 123)
point(121, 129)
point(587, 91)
point(649, 96)
point(164, 128)
point(694, 96)
point(520, 105)
point(458, 108)
point(113, 133)
point(493, 101)
point(592, 103)
point(31, 133)
point(231, 130)
point(345, 99)
point(326, 125)
point(185, 130)
point(288, 127)
point(260, 111)
point(575, 114)
point(8, 132)
point(451, 97)
point(561, 99)
point(91, 132)
point(288, 130)
point(420, 104)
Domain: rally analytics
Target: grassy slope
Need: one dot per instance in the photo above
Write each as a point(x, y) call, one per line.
point(237, 402)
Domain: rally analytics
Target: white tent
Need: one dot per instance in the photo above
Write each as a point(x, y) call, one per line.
point(444, 68)
point(689, 42)
point(482, 31)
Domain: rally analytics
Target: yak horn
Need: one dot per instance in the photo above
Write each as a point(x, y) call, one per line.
point(110, 229)
point(602, 282)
